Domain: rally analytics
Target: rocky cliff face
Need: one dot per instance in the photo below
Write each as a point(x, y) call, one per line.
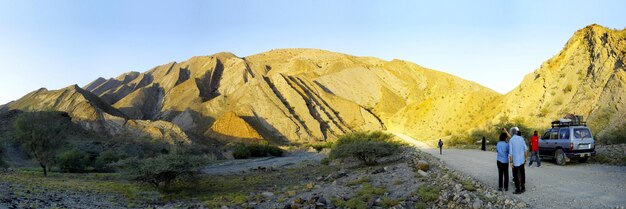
point(586, 78)
point(314, 95)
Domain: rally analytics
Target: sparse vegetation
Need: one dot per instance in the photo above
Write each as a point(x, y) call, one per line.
point(367, 147)
point(41, 135)
point(365, 194)
point(429, 193)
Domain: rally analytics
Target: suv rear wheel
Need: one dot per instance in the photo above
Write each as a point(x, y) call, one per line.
point(559, 157)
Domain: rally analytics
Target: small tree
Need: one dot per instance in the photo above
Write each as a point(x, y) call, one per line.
point(41, 134)
point(162, 170)
point(368, 147)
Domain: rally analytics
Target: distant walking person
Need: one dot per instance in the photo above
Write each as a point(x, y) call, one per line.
point(534, 150)
point(440, 144)
point(483, 145)
point(502, 150)
point(517, 159)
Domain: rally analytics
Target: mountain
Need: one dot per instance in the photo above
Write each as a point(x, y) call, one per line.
point(587, 78)
point(307, 95)
point(92, 113)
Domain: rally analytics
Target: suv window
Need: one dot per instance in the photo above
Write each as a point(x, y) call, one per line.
point(554, 134)
point(564, 133)
point(546, 135)
point(580, 133)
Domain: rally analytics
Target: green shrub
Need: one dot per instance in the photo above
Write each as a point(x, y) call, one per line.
point(243, 151)
point(368, 147)
point(103, 162)
point(162, 170)
point(73, 161)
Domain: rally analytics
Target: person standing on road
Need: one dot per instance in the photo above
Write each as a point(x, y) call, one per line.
point(534, 150)
point(517, 159)
point(440, 145)
point(482, 147)
point(502, 150)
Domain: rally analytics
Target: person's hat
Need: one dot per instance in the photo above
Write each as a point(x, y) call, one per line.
point(514, 130)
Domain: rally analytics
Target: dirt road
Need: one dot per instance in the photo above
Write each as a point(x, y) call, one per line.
point(576, 185)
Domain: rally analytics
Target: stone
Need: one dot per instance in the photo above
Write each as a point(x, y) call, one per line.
point(477, 203)
point(422, 173)
point(521, 205)
point(508, 202)
point(267, 194)
point(423, 165)
point(380, 170)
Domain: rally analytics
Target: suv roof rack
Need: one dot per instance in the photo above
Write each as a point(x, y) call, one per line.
point(570, 120)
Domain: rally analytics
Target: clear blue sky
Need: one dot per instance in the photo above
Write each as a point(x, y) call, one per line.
point(54, 44)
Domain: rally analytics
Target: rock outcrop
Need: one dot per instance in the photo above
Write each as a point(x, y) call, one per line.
point(230, 127)
point(586, 78)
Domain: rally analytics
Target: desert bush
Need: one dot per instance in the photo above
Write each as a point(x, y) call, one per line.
point(162, 170)
point(73, 161)
point(367, 147)
point(618, 136)
point(243, 151)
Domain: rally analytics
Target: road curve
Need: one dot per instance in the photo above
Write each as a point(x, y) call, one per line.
point(576, 185)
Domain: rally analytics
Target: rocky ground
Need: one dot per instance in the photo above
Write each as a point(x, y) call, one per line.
point(13, 195)
point(412, 179)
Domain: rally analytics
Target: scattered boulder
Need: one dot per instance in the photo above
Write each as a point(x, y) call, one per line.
point(423, 165)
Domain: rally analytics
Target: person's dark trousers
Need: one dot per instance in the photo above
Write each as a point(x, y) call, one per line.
point(519, 177)
point(503, 175)
point(534, 156)
point(440, 150)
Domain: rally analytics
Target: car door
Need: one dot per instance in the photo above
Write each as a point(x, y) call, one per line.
point(550, 143)
point(564, 139)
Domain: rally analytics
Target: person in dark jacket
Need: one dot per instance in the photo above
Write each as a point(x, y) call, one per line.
point(440, 144)
point(482, 147)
